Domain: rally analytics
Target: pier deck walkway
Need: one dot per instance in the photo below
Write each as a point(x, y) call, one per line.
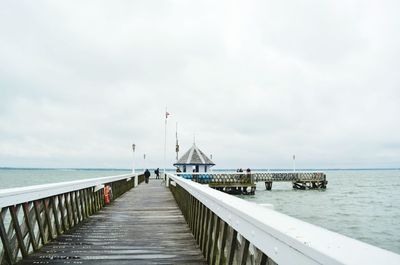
point(143, 226)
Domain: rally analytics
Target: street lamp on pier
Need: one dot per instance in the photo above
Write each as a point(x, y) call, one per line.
point(133, 165)
point(133, 161)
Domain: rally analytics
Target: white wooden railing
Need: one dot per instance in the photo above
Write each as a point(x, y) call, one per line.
point(230, 230)
point(32, 216)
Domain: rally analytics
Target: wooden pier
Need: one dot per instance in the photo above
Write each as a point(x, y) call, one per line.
point(72, 223)
point(245, 183)
point(144, 226)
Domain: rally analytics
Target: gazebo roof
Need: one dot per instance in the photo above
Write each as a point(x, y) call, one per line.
point(194, 156)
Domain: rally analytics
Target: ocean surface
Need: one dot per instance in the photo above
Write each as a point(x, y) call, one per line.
point(362, 204)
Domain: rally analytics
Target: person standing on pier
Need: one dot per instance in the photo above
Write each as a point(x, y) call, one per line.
point(248, 174)
point(146, 176)
point(157, 172)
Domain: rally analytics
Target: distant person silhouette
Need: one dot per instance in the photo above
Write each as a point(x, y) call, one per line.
point(146, 176)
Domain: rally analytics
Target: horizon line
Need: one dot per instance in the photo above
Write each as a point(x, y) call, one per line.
point(217, 169)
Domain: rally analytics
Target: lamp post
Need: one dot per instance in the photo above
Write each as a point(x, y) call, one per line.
point(294, 163)
point(133, 161)
point(133, 165)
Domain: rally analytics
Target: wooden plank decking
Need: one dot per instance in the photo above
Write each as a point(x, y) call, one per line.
point(144, 226)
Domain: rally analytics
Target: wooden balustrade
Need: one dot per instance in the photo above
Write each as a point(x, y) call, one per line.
point(219, 242)
point(230, 230)
point(26, 226)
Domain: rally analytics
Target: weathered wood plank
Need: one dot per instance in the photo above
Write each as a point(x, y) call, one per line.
point(143, 226)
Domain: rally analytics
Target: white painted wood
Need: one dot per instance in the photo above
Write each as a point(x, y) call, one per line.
point(15, 196)
point(285, 239)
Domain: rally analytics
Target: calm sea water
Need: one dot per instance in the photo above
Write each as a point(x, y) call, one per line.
point(362, 204)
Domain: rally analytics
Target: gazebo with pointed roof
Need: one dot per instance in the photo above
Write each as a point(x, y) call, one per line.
point(194, 159)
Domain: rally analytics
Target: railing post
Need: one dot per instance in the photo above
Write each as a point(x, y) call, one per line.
point(8, 254)
point(232, 247)
point(48, 218)
point(210, 237)
point(20, 239)
point(215, 241)
point(201, 224)
point(191, 212)
point(73, 207)
point(264, 259)
point(55, 214)
point(63, 214)
point(68, 210)
point(245, 251)
point(195, 218)
point(28, 219)
point(39, 222)
point(223, 243)
point(206, 235)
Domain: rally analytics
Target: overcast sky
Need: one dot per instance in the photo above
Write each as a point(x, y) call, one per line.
point(256, 81)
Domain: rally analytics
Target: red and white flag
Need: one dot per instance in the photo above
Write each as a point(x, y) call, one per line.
point(167, 114)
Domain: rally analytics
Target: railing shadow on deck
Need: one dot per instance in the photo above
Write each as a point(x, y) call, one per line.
point(230, 230)
point(30, 217)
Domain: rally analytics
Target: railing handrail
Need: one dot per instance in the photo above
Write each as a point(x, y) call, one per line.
point(285, 239)
point(13, 196)
point(252, 172)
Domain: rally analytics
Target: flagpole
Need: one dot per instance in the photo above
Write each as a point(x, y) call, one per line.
point(177, 144)
point(133, 161)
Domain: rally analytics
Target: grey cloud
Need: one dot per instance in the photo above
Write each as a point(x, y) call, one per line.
point(255, 81)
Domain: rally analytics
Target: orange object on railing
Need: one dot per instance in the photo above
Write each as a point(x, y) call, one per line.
point(106, 194)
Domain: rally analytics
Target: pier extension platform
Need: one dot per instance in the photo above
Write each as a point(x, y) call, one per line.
point(143, 226)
